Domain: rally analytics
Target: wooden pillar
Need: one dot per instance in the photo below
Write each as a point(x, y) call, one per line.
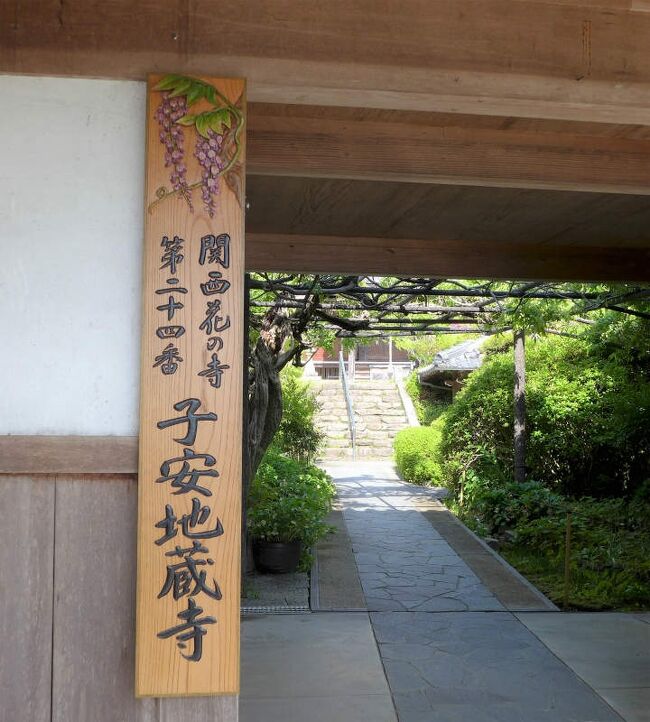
point(520, 407)
point(190, 465)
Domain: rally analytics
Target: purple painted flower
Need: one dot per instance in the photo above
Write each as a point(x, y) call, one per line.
point(171, 136)
point(207, 152)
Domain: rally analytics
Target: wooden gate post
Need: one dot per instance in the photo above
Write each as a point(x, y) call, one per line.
point(189, 484)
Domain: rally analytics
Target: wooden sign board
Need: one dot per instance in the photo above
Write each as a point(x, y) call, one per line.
point(189, 486)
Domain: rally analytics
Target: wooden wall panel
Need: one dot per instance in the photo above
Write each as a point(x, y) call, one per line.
point(68, 455)
point(94, 614)
point(94, 611)
point(199, 709)
point(26, 554)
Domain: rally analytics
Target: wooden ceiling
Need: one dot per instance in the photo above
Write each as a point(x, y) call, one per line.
point(504, 138)
point(351, 208)
point(335, 183)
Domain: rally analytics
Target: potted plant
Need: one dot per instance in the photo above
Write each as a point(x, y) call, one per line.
point(287, 506)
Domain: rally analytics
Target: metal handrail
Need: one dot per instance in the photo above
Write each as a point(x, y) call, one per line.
point(348, 403)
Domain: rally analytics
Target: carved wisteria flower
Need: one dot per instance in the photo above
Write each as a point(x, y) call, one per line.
point(171, 136)
point(208, 153)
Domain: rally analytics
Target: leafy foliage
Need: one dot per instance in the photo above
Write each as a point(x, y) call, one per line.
point(492, 509)
point(417, 454)
point(289, 500)
point(588, 420)
point(298, 436)
point(427, 407)
point(610, 549)
point(588, 406)
point(610, 552)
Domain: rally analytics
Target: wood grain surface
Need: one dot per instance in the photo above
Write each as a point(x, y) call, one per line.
point(72, 455)
point(68, 631)
point(26, 570)
point(582, 60)
point(443, 258)
point(171, 451)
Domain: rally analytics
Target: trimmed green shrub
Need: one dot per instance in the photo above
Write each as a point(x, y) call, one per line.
point(289, 500)
point(298, 436)
point(417, 454)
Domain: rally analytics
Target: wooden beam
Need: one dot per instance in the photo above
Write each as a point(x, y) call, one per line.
point(442, 148)
point(30, 455)
point(553, 59)
point(442, 259)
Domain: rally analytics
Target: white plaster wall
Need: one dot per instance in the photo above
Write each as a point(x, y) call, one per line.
point(71, 224)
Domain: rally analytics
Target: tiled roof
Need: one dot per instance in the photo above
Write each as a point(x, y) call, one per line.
point(465, 356)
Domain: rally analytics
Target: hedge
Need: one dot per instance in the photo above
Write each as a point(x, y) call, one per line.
point(417, 454)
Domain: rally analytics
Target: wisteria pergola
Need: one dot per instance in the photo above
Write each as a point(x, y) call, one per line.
point(371, 307)
point(286, 307)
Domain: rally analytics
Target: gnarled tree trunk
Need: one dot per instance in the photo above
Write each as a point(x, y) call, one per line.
point(264, 400)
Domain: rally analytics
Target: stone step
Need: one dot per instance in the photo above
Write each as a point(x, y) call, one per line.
point(365, 384)
point(335, 425)
point(335, 454)
point(370, 452)
point(378, 413)
point(328, 408)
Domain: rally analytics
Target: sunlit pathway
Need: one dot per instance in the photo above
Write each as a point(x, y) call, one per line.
point(450, 650)
point(404, 564)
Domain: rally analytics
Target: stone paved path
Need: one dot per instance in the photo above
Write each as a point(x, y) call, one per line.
point(450, 651)
point(404, 564)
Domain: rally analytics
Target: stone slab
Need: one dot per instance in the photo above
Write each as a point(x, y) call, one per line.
point(419, 569)
point(605, 649)
point(507, 586)
point(633, 704)
point(356, 708)
point(322, 659)
point(610, 651)
point(479, 667)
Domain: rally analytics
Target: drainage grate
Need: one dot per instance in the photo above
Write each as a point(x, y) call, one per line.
point(274, 610)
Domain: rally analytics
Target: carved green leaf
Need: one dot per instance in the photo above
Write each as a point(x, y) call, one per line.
point(202, 125)
point(214, 120)
point(181, 88)
point(196, 92)
point(220, 118)
point(211, 95)
point(187, 120)
point(169, 82)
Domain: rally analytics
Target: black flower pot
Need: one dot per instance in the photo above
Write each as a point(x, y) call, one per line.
point(276, 557)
